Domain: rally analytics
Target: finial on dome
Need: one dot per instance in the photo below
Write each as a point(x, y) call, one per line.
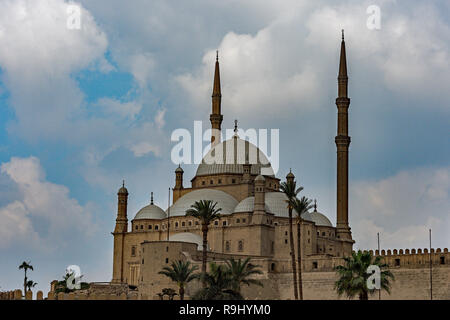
point(217, 55)
point(123, 183)
point(315, 205)
point(151, 198)
point(342, 34)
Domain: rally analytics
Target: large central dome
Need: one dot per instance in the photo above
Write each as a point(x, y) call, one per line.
point(229, 157)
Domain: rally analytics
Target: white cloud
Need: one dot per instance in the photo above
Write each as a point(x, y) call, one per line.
point(124, 109)
point(143, 148)
point(402, 208)
point(41, 203)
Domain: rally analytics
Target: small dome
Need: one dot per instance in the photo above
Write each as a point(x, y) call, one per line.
point(224, 201)
point(189, 237)
point(260, 178)
point(179, 169)
point(122, 189)
point(150, 212)
point(320, 219)
point(290, 175)
point(276, 202)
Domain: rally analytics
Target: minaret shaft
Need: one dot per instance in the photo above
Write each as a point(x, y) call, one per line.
point(216, 116)
point(342, 144)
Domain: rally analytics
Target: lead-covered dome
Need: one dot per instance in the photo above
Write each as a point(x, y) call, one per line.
point(318, 218)
point(150, 212)
point(231, 156)
point(224, 201)
point(189, 237)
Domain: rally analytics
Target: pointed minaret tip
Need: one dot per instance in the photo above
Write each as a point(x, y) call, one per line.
point(342, 34)
point(217, 55)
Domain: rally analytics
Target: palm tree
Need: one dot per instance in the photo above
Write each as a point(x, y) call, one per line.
point(218, 285)
point(289, 188)
point(25, 266)
point(301, 206)
point(353, 275)
point(180, 272)
point(241, 271)
point(31, 284)
point(206, 212)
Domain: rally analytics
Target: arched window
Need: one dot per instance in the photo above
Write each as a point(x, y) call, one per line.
point(241, 245)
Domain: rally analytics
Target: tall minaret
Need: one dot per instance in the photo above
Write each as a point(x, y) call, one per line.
point(216, 116)
point(119, 235)
point(342, 143)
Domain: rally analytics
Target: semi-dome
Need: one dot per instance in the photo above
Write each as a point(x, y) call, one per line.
point(189, 237)
point(223, 199)
point(232, 155)
point(150, 212)
point(247, 205)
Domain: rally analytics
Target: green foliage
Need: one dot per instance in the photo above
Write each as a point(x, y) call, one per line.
point(353, 275)
point(289, 188)
point(241, 271)
point(301, 205)
point(223, 282)
point(180, 272)
point(205, 211)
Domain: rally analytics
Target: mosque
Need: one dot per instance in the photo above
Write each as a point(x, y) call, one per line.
point(254, 220)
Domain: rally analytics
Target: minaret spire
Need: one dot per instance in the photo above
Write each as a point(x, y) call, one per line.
point(216, 116)
point(342, 144)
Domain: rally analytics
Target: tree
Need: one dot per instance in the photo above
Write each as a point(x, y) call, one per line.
point(289, 188)
point(206, 212)
point(241, 271)
point(218, 285)
point(25, 266)
point(301, 206)
point(353, 275)
point(31, 284)
point(180, 272)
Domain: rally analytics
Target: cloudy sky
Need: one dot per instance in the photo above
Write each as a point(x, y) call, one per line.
point(82, 109)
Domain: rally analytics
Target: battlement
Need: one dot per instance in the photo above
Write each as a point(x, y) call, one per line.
point(413, 257)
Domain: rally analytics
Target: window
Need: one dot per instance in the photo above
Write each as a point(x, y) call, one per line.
point(227, 246)
point(149, 227)
point(137, 227)
point(220, 181)
point(142, 261)
point(272, 267)
point(309, 240)
point(156, 227)
point(308, 233)
point(190, 223)
point(272, 247)
point(315, 265)
point(196, 223)
point(167, 249)
point(241, 245)
point(238, 220)
point(133, 251)
point(243, 220)
point(216, 223)
point(167, 260)
point(323, 234)
point(285, 241)
point(397, 262)
point(183, 224)
point(442, 260)
point(203, 183)
point(285, 233)
point(142, 227)
point(233, 180)
point(211, 182)
point(224, 223)
point(176, 224)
